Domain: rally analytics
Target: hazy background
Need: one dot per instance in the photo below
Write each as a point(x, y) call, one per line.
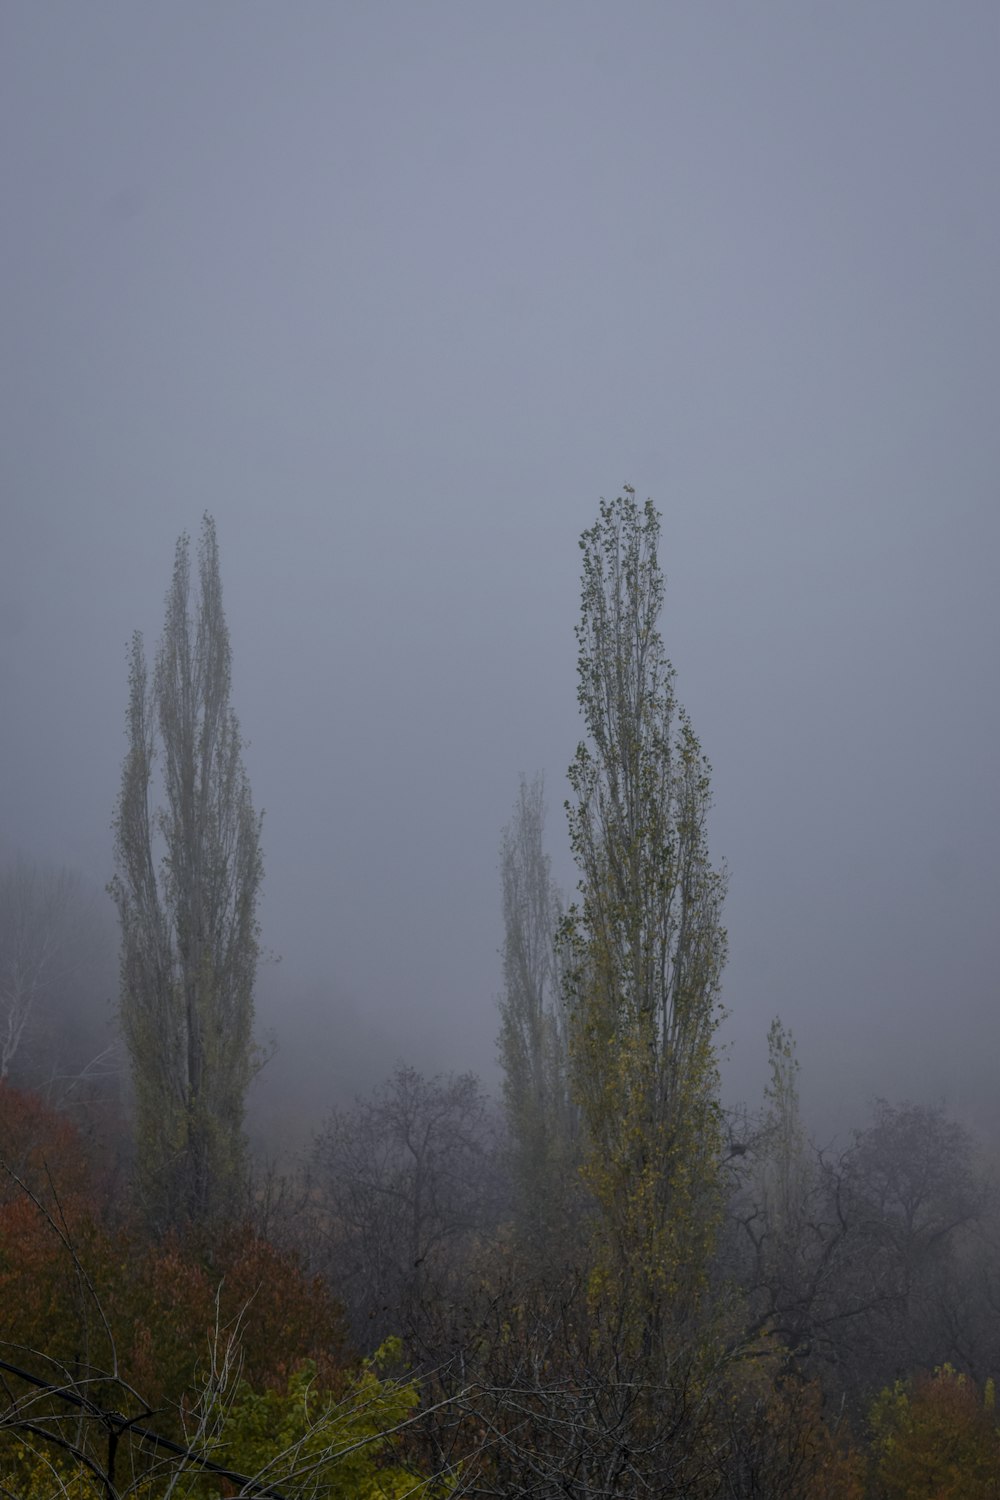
point(397, 292)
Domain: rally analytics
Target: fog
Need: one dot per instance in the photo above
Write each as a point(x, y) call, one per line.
point(397, 293)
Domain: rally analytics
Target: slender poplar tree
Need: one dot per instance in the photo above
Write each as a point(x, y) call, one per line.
point(644, 943)
point(533, 1040)
point(186, 887)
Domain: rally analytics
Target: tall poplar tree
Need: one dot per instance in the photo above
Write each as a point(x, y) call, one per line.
point(533, 1040)
point(186, 887)
point(644, 943)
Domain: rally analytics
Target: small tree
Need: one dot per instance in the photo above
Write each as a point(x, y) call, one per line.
point(188, 875)
point(407, 1179)
point(645, 942)
point(533, 1040)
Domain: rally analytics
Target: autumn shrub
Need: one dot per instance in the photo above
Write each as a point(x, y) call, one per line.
point(776, 1439)
point(139, 1325)
point(935, 1438)
point(40, 1151)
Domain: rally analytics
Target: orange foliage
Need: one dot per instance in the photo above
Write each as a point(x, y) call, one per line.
point(43, 1209)
point(287, 1317)
point(174, 1309)
point(780, 1443)
point(40, 1149)
point(89, 1295)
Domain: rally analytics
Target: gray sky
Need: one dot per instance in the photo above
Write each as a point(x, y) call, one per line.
point(397, 292)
